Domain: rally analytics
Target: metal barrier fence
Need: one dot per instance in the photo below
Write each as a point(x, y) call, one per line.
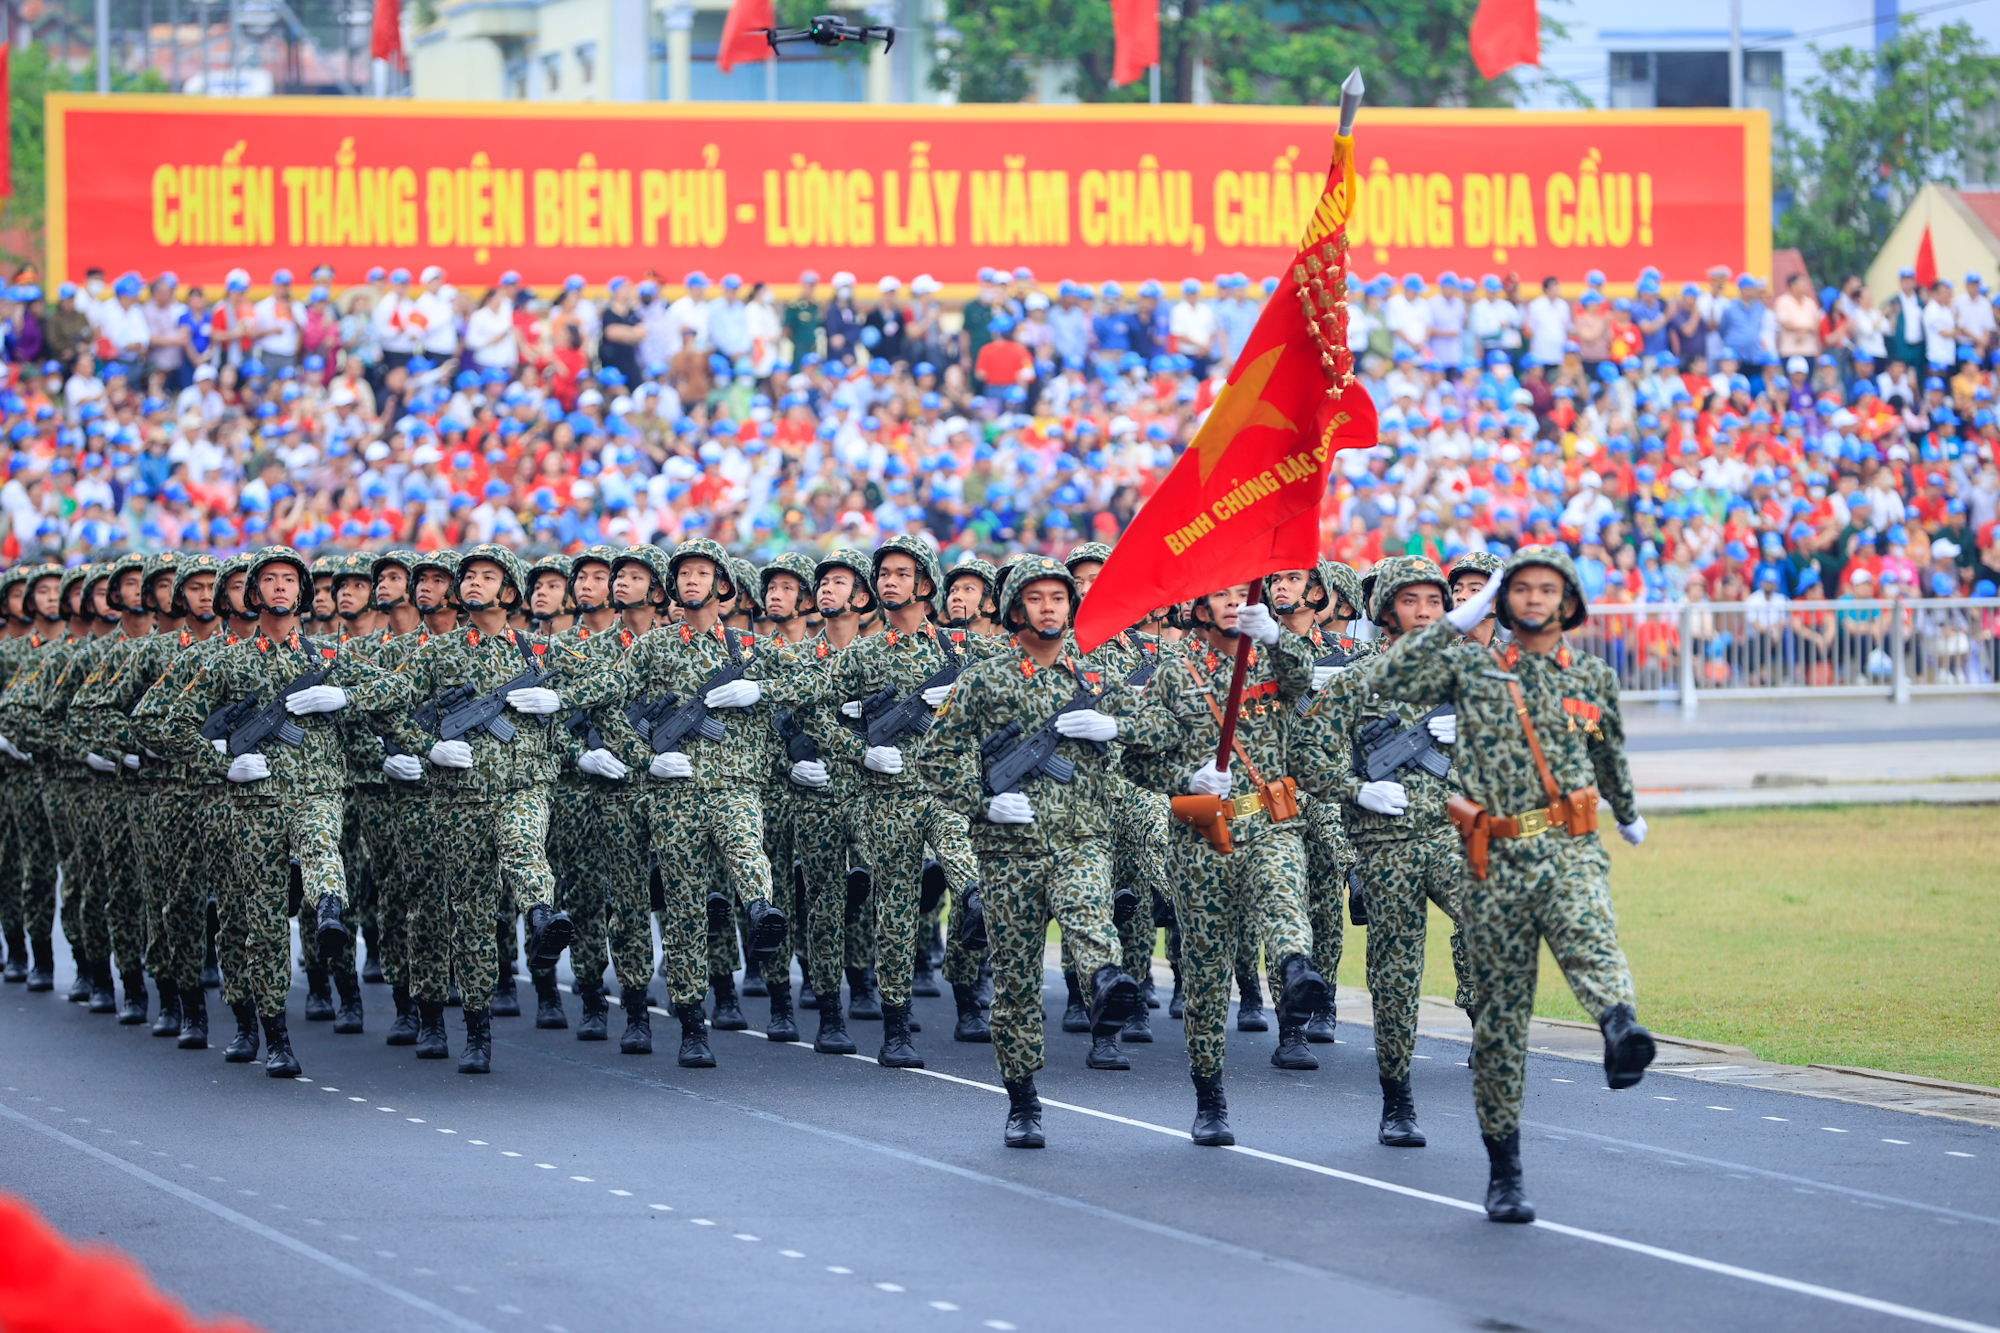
point(1688, 651)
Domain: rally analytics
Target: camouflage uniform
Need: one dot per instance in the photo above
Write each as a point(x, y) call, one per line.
point(28, 873)
point(781, 837)
point(1546, 887)
point(1138, 816)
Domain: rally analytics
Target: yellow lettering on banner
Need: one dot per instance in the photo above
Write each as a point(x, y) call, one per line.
point(1048, 208)
point(860, 209)
point(1286, 222)
point(1520, 210)
point(166, 195)
point(1589, 202)
point(1560, 193)
point(588, 204)
point(403, 206)
point(319, 206)
point(1124, 185)
point(1618, 208)
point(548, 208)
point(294, 179)
point(346, 198)
point(1476, 209)
point(1437, 209)
point(944, 190)
point(655, 202)
point(1228, 222)
point(986, 207)
point(1151, 222)
point(1256, 208)
point(438, 206)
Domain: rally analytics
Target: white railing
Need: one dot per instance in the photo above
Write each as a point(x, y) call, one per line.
point(1688, 651)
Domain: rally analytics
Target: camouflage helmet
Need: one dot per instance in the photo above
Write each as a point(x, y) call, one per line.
point(652, 557)
point(554, 563)
point(749, 586)
point(278, 555)
point(1032, 569)
point(796, 563)
point(162, 562)
point(132, 562)
point(1097, 551)
point(10, 580)
point(602, 554)
point(68, 599)
point(1342, 585)
point(707, 548)
point(982, 570)
point(1367, 586)
point(87, 596)
point(32, 575)
point(185, 568)
point(511, 570)
point(1551, 557)
point(1397, 573)
point(323, 567)
point(355, 565)
point(445, 562)
point(854, 562)
point(231, 566)
point(403, 559)
point(918, 550)
point(1474, 562)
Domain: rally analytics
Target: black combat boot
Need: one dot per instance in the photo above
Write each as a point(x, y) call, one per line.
point(596, 1024)
point(934, 947)
point(694, 1037)
point(832, 1038)
point(133, 1011)
point(347, 1021)
point(1076, 1014)
point(985, 986)
point(808, 997)
point(331, 937)
point(432, 1044)
point(279, 1062)
point(478, 1057)
point(194, 1020)
point(898, 1052)
point(1250, 1013)
point(1399, 1115)
point(42, 975)
point(923, 981)
point(972, 931)
point(16, 970)
point(1176, 1006)
point(1149, 990)
point(403, 1032)
point(371, 971)
point(767, 930)
point(1124, 905)
point(1506, 1196)
point(1104, 1052)
point(1292, 1051)
point(863, 1000)
point(548, 1001)
point(211, 965)
point(549, 933)
point(79, 989)
point(1024, 1116)
point(506, 1002)
point(103, 996)
point(783, 1026)
point(1304, 991)
point(721, 914)
point(242, 1048)
point(1319, 1028)
point(638, 1038)
point(1139, 1027)
point(728, 1013)
point(1114, 997)
point(168, 1022)
point(1211, 1113)
point(319, 995)
point(754, 985)
point(452, 999)
point(971, 1023)
point(1628, 1048)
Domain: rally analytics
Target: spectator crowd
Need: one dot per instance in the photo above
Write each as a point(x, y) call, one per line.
point(1697, 441)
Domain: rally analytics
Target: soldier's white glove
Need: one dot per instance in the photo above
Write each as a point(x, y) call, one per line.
point(601, 764)
point(534, 700)
point(148, 752)
point(452, 754)
point(1384, 798)
point(1010, 807)
point(1465, 618)
point(1087, 724)
point(883, 759)
point(1444, 728)
point(404, 767)
point(672, 764)
point(317, 699)
point(100, 763)
point(1256, 620)
point(736, 694)
point(810, 773)
point(936, 695)
point(221, 746)
point(1210, 781)
point(852, 708)
point(7, 747)
point(1323, 674)
point(1634, 832)
point(131, 761)
point(252, 767)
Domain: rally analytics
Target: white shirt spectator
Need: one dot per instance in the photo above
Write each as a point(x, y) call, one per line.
point(393, 324)
point(1548, 324)
point(1767, 610)
point(201, 399)
point(1974, 313)
point(1409, 319)
point(1193, 325)
point(687, 313)
point(489, 332)
point(1885, 504)
point(280, 323)
point(1940, 326)
point(438, 321)
point(1496, 323)
point(121, 326)
point(80, 389)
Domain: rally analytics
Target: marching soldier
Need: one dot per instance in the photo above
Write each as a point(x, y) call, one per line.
point(1467, 575)
point(28, 873)
point(784, 590)
point(1530, 875)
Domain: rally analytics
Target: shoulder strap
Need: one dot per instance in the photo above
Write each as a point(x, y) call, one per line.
point(951, 653)
point(1236, 741)
point(1528, 729)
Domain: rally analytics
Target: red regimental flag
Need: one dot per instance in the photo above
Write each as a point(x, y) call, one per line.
point(385, 39)
point(743, 40)
point(1135, 25)
point(1926, 265)
point(1245, 497)
point(1505, 33)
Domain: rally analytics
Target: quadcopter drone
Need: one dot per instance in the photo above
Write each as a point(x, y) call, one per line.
point(832, 30)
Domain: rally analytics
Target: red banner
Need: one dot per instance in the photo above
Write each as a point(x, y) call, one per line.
point(200, 187)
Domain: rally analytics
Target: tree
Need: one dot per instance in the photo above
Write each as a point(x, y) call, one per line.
point(1412, 54)
point(1876, 126)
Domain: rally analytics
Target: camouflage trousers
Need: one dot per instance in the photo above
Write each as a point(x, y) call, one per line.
point(374, 821)
point(703, 836)
point(1222, 901)
point(897, 825)
point(63, 798)
point(474, 847)
point(827, 834)
point(1021, 895)
point(113, 879)
point(1544, 888)
point(1400, 881)
point(1138, 863)
point(175, 832)
point(597, 852)
point(267, 836)
point(787, 890)
point(28, 878)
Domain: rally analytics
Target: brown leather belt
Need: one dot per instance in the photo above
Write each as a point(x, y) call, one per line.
point(1574, 814)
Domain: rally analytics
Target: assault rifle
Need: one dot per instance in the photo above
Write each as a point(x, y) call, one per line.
point(1337, 658)
point(484, 712)
point(871, 708)
point(1142, 675)
point(692, 718)
point(427, 717)
point(1382, 750)
point(227, 718)
point(582, 725)
point(1009, 760)
point(799, 747)
point(257, 726)
point(910, 715)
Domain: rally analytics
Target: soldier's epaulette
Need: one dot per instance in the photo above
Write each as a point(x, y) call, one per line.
point(186, 638)
point(820, 650)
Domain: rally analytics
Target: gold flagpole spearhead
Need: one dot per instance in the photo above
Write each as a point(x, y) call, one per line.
point(1350, 101)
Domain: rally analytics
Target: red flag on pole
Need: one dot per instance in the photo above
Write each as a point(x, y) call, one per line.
point(1137, 25)
point(6, 125)
point(1505, 33)
point(1926, 265)
point(1244, 499)
point(385, 42)
point(743, 40)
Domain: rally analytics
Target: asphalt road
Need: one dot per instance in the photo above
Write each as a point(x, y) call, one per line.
point(577, 1189)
